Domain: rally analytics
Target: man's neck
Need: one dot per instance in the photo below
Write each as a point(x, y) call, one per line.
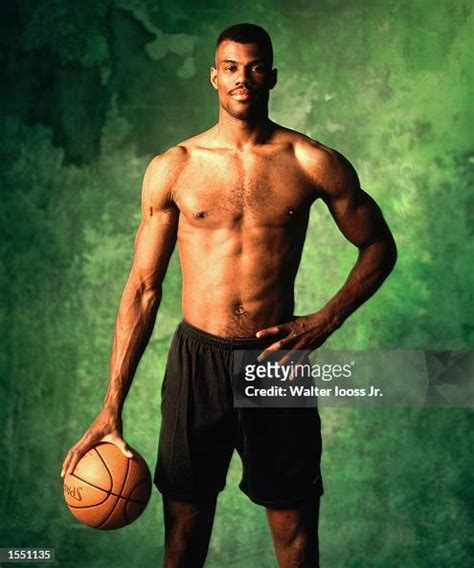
point(242, 134)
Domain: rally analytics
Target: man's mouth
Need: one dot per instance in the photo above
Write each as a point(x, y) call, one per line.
point(241, 94)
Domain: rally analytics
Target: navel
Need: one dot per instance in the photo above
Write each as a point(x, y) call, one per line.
point(239, 310)
point(200, 214)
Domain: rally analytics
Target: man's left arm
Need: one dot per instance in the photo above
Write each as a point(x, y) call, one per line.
point(360, 220)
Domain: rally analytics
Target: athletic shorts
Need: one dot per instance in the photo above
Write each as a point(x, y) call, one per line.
point(280, 448)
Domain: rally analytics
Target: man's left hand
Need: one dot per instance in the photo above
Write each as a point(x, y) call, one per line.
point(304, 333)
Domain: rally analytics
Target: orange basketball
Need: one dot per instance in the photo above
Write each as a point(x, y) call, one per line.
point(107, 490)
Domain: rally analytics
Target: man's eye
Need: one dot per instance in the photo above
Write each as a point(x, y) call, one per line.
point(228, 68)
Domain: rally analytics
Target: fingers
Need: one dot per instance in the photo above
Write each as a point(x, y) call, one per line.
point(79, 450)
point(293, 372)
point(121, 445)
point(88, 441)
point(286, 358)
point(72, 457)
point(269, 331)
point(65, 465)
point(290, 354)
point(277, 346)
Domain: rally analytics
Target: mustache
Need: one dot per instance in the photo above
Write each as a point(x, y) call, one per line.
point(241, 89)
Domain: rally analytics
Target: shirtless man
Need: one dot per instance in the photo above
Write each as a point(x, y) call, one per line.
point(237, 199)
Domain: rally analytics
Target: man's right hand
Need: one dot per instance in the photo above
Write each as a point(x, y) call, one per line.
point(106, 427)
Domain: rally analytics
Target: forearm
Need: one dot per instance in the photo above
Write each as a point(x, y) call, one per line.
point(374, 264)
point(134, 325)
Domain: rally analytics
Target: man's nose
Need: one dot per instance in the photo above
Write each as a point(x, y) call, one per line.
point(243, 77)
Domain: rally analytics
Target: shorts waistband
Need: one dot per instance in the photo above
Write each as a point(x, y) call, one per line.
point(229, 343)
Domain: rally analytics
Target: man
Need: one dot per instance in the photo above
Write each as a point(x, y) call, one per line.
point(237, 198)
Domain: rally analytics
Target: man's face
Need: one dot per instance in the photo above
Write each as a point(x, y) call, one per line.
point(242, 78)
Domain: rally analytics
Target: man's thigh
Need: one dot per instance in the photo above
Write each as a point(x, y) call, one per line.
point(197, 427)
point(281, 451)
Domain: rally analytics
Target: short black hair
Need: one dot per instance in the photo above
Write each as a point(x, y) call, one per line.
point(249, 33)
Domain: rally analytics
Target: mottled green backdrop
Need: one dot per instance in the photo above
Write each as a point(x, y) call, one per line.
point(91, 90)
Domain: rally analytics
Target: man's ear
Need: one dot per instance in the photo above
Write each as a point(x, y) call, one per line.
point(214, 77)
point(273, 78)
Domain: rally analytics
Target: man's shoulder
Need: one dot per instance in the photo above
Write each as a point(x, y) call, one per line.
point(173, 157)
point(162, 173)
point(324, 165)
point(164, 169)
point(311, 152)
point(178, 155)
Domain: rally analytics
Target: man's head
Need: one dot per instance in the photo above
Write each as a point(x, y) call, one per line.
point(243, 74)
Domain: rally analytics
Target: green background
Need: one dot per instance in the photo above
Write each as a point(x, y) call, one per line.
point(91, 91)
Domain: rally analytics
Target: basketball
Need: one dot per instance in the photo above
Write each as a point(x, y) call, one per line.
point(107, 490)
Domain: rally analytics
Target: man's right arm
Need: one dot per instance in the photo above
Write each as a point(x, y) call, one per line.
point(154, 243)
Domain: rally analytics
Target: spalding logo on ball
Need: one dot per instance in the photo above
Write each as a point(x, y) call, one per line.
point(107, 490)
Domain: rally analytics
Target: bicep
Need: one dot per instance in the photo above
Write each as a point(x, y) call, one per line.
point(156, 236)
point(154, 243)
point(354, 211)
point(357, 216)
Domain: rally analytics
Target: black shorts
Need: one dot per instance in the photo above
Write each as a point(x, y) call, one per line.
point(280, 448)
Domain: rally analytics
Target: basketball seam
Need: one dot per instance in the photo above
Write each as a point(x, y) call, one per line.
point(106, 467)
point(107, 493)
point(111, 492)
point(146, 478)
point(118, 496)
point(115, 504)
point(129, 500)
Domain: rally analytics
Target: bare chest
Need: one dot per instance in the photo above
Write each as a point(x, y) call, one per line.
point(223, 190)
